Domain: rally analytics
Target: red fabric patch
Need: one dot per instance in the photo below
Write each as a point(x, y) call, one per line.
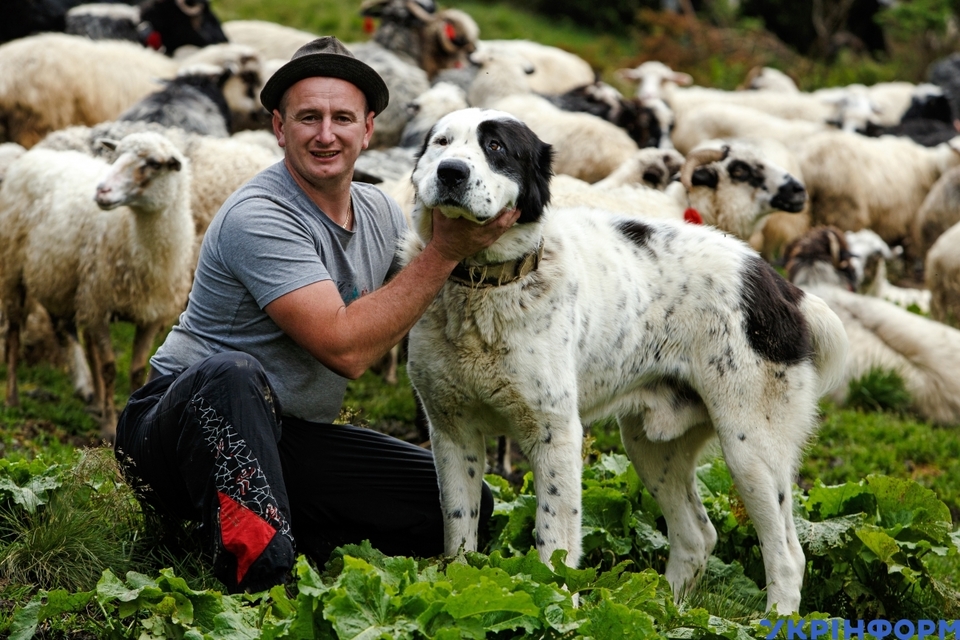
point(154, 41)
point(449, 31)
point(368, 25)
point(692, 216)
point(244, 533)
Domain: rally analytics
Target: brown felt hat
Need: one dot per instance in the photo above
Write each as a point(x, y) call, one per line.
point(326, 57)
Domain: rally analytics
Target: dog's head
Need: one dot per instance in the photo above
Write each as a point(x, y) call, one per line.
point(475, 163)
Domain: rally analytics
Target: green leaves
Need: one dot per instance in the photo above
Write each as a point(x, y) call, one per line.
point(867, 545)
point(28, 484)
point(867, 542)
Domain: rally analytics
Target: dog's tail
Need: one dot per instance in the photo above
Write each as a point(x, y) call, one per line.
point(829, 341)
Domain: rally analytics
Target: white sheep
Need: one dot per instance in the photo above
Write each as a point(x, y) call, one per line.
point(869, 258)
point(219, 166)
point(658, 81)
point(857, 182)
point(90, 241)
point(939, 211)
point(554, 71)
point(942, 273)
point(272, 40)
point(925, 353)
point(721, 120)
point(768, 79)
point(54, 80)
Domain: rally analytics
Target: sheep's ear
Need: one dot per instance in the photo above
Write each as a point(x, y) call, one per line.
point(705, 177)
point(174, 165)
point(108, 143)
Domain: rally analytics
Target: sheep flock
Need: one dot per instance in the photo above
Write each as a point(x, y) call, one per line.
point(850, 187)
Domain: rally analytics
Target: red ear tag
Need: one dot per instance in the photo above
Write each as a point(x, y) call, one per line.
point(692, 216)
point(368, 24)
point(154, 41)
point(449, 31)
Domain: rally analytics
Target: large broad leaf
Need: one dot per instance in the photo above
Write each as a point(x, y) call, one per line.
point(820, 537)
point(824, 502)
point(43, 606)
point(715, 477)
point(359, 606)
point(33, 493)
point(904, 503)
point(606, 520)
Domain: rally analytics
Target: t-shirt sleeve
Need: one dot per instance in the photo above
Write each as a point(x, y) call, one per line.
point(269, 250)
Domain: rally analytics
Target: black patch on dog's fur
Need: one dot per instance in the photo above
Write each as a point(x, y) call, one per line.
point(636, 232)
point(513, 150)
point(775, 326)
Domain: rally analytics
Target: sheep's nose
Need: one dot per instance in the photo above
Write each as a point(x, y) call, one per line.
point(790, 197)
point(452, 172)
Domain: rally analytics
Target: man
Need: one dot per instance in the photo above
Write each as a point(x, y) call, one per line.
point(288, 302)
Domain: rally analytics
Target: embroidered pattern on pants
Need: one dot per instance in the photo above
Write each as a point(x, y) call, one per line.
point(238, 472)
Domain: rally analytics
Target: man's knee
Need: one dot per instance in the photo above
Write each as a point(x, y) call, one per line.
point(232, 367)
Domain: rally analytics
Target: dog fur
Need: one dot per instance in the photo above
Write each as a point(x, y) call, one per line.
point(680, 331)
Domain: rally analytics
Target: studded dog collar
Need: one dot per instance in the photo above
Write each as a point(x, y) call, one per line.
point(498, 273)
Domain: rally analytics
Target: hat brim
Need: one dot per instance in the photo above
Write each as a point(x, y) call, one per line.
point(329, 65)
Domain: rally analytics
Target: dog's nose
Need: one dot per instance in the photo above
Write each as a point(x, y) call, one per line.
point(452, 172)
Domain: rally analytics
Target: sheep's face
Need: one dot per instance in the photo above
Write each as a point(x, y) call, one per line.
point(821, 256)
point(242, 93)
point(656, 167)
point(652, 77)
point(142, 162)
point(739, 191)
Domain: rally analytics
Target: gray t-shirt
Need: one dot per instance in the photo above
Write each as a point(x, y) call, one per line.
point(269, 239)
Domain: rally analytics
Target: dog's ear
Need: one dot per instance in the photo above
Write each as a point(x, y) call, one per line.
point(535, 194)
point(426, 141)
point(705, 177)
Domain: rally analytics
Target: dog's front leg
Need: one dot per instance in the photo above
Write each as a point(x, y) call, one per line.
point(557, 470)
point(460, 464)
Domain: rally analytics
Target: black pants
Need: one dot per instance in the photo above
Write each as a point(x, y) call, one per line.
point(206, 446)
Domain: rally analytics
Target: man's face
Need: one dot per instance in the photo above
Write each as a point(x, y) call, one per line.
point(324, 127)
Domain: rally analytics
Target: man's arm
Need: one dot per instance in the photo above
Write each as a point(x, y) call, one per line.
point(348, 339)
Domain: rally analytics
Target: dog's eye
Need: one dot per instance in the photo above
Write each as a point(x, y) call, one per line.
point(494, 145)
point(442, 141)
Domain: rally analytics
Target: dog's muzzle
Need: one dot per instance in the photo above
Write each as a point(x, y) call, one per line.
point(452, 180)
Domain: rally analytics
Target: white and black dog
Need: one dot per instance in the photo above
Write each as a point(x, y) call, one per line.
point(678, 330)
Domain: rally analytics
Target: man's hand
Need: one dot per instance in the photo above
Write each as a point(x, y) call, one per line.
point(459, 238)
